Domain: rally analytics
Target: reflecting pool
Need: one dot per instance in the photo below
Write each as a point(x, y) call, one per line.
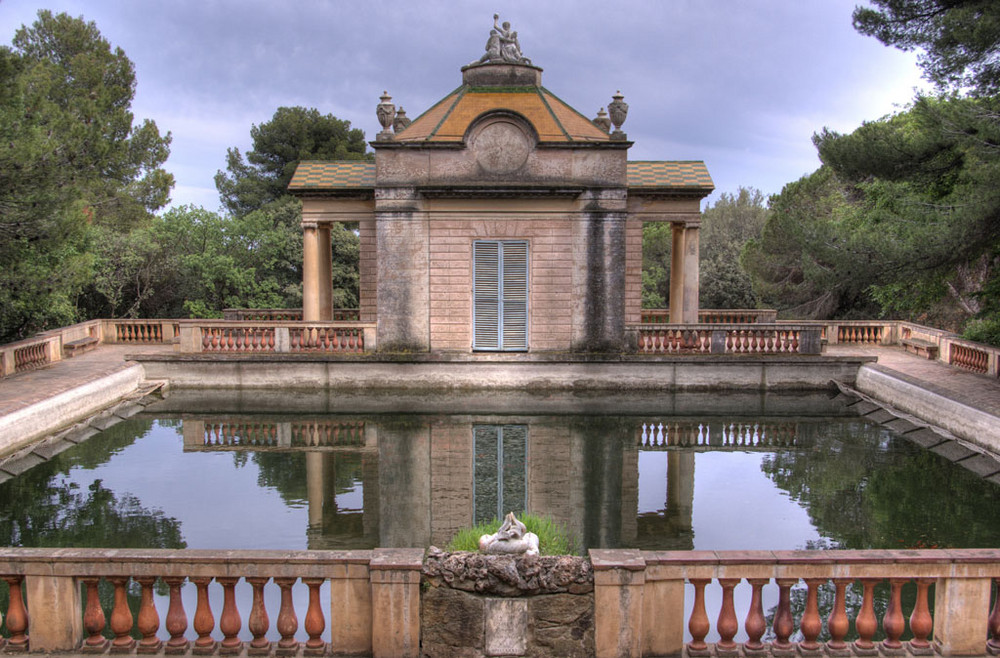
point(210, 469)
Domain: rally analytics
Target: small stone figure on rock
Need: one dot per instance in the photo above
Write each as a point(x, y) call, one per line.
point(512, 538)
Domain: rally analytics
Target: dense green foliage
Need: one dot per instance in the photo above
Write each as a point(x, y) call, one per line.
point(726, 227)
point(73, 164)
point(553, 538)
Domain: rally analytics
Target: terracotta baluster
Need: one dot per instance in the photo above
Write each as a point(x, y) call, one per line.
point(288, 623)
point(148, 621)
point(838, 623)
point(727, 625)
point(755, 623)
point(121, 618)
point(259, 621)
point(894, 623)
point(921, 622)
point(17, 616)
point(93, 619)
point(315, 624)
point(784, 626)
point(229, 620)
point(177, 622)
point(811, 624)
point(698, 624)
point(204, 620)
point(993, 624)
point(866, 624)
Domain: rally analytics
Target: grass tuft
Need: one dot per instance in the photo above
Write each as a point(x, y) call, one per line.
point(553, 537)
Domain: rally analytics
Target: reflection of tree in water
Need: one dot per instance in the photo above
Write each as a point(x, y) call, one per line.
point(285, 472)
point(41, 507)
point(865, 488)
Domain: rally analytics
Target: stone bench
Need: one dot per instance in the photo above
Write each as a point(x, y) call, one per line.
point(923, 348)
point(79, 345)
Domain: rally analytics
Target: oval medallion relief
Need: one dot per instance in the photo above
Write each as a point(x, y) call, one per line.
point(501, 147)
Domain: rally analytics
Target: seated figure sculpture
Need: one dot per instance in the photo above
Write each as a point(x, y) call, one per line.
point(512, 538)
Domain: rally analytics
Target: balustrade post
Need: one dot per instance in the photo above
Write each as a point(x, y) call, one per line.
point(204, 620)
point(177, 622)
point(229, 621)
point(698, 624)
point(314, 620)
point(921, 622)
point(811, 624)
point(149, 620)
point(784, 625)
point(838, 624)
point(121, 617)
point(288, 623)
point(727, 624)
point(958, 630)
point(866, 624)
point(190, 338)
point(755, 624)
point(662, 614)
point(17, 616)
point(259, 621)
point(395, 577)
point(93, 619)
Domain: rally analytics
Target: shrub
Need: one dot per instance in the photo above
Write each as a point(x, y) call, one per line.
point(986, 331)
point(553, 537)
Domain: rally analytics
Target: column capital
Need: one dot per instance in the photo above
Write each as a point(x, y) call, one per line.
point(310, 225)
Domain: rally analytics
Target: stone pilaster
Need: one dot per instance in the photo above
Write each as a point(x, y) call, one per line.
point(402, 243)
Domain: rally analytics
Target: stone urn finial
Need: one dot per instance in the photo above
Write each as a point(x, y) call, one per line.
point(602, 121)
point(401, 122)
point(386, 112)
point(618, 109)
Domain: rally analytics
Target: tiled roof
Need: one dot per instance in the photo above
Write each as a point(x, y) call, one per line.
point(553, 120)
point(327, 175)
point(642, 175)
point(667, 174)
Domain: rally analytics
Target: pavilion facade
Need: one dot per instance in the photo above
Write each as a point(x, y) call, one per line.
point(501, 220)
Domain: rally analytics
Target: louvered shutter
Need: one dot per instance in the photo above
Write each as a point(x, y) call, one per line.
point(500, 295)
point(514, 306)
point(486, 272)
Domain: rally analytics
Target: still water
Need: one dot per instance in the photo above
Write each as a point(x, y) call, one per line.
point(258, 470)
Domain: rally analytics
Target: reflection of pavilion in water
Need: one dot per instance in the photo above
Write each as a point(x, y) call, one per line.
point(423, 477)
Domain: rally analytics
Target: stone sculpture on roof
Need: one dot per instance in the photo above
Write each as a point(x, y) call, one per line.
point(503, 46)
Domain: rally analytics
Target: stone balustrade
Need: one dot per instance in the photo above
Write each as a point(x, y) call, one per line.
point(374, 601)
point(641, 599)
point(231, 337)
point(727, 339)
point(715, 316)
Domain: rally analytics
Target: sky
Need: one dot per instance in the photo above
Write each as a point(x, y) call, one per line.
point(740, 84)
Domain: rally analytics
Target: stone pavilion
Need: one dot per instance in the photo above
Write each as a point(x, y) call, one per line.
point(501, 219)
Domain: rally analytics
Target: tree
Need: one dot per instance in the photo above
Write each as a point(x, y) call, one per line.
point(72, 160)
point(293, 134)
point(959, 40)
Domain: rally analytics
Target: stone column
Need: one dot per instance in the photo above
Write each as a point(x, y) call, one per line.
point(677, 271)
point(692, 234)
point(325, 274)
point(310, 272)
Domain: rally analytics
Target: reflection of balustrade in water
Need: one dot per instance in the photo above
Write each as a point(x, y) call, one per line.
point(300, 433)
point(655, 434)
